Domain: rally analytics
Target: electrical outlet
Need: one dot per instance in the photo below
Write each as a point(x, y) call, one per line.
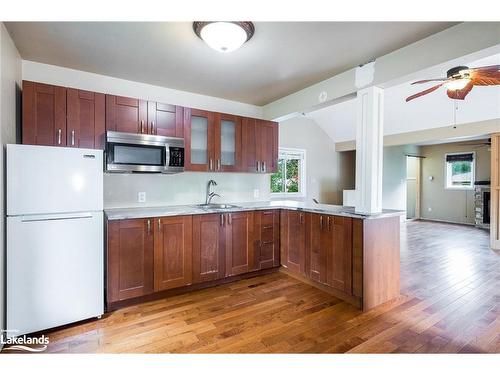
point(256, 193)
point(141, 197)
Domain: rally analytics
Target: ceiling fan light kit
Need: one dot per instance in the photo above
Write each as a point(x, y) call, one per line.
point(460, 80)
point(224, 36)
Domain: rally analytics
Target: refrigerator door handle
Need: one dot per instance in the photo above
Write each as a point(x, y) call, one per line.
point(86, 215)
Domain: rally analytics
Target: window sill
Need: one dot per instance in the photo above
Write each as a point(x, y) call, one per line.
point(287, 196)
point(459, 188)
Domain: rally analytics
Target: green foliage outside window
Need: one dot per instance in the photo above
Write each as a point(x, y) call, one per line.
point(287, 178)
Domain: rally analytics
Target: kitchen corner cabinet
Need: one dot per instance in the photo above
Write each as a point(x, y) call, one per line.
point(293, 240)
point(130, 254)
point(260, 146)
point(266, 239)
point(172, 252)
point(60, 116)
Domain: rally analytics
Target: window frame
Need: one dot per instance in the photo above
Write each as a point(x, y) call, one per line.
point(473, 171)
point(302, 174)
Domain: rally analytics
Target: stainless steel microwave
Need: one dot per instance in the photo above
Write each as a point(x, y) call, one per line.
point(144, 153)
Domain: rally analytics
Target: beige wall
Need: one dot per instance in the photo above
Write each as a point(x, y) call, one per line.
point(328, 172)
point(10, 80)
point(449, 205)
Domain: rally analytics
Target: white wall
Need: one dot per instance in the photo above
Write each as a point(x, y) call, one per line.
point(120, 190)
point(10, 80)
point(56, 75)
point(328, 172)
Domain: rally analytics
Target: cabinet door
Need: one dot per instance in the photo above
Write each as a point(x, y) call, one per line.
point(339, 256)
point(127, 115)
point(318, 243)
point(165, 120)
point(239, 242)
point(199, 135)
point(227, 143)
point(44, 114)
point(293, 240)
point(173, 252)
point(86, 125)
point(130, 259)
point(208, 247)
point(250, 145)
point(268, 135)
point(266, 239)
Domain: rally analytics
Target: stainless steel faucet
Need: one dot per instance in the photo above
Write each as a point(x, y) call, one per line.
point(210, 195)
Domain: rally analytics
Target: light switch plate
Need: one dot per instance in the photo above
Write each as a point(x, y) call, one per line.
point(141, 197)
point(256, 193)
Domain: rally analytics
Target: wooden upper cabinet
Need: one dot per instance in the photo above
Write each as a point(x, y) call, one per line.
point(239, 249)
point(269, 146)
point(165, 120)
point(250, 145)
point(339, 254)
point(293, 240)
point(127, 115)
point(44, 114)
point(266, 239)
point(208, 247)
point(130, 259)
point(172, 252)
point(259, 146)
point(85, 119)
point(199, 140)
point(227, 150)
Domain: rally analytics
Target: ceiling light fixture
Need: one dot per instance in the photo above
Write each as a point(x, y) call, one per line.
point(224, 36)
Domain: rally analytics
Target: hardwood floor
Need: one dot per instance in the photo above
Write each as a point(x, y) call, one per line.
point(450, 303)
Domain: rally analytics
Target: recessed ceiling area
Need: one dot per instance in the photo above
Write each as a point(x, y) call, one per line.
point(281, 58)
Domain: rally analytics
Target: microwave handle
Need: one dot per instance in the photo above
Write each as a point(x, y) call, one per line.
point(167, 156)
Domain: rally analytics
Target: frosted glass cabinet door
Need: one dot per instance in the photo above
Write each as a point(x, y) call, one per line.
point(228, 142)
point(199, 137)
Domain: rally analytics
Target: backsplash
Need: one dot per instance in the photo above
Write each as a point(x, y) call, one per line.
point(121, 190)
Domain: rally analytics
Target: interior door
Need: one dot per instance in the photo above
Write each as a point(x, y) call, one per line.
point(86, 122)
point(208, 247)
point(165, 120)
point(339, 256)
point(173, 252)
point(199, 134)
point(127, 115)
point(44, 114)
point(130, 259)
point(239, 242)
point(227, 143)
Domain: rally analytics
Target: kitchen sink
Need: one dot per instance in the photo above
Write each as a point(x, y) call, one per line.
point(216, 206)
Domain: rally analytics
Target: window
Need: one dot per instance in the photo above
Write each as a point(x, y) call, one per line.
point(460, 170)
point(290, 178)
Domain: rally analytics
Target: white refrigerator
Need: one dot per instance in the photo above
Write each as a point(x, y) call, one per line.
point(55, 256)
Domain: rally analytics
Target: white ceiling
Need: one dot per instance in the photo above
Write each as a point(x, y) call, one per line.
point(281, 58)
point(430, 111)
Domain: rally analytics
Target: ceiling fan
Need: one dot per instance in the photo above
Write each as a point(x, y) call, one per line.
point(461, 79)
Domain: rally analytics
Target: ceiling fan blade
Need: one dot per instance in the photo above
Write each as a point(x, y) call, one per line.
point(429, 80)
point(485, 68)
point(462, 93)
point(486, 81)
point(425, 92)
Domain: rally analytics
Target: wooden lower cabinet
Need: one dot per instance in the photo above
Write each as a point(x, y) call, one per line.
point(172, 252)
point(129, 259)
point(208, 247)
point(319, 241)
point(293, 240)
point(266, 239)
point(339, 255)
point(239, 242)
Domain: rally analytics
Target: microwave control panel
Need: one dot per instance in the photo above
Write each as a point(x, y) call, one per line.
point(176, 157)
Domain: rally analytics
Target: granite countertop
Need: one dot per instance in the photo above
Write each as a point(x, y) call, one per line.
point(143, 212)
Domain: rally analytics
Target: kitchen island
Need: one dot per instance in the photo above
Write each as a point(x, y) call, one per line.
point(154, 252)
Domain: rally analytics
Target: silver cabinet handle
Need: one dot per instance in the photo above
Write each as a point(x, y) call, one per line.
point(321, 222)
point(59, 136)
point(301, 218)
point(229, 219)
point(258, 166)
point(149, 226)
point(222, 220)
point(211, 166)
point(218, 164)
point(142, 126)
point(264, 169)
point(159, 225)
point(153, 127)
point(328, 221)
point(73, 137)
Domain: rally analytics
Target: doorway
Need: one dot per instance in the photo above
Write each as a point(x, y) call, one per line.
point(412, 187)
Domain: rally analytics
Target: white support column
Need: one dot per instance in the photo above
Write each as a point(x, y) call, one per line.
point(369, 149)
